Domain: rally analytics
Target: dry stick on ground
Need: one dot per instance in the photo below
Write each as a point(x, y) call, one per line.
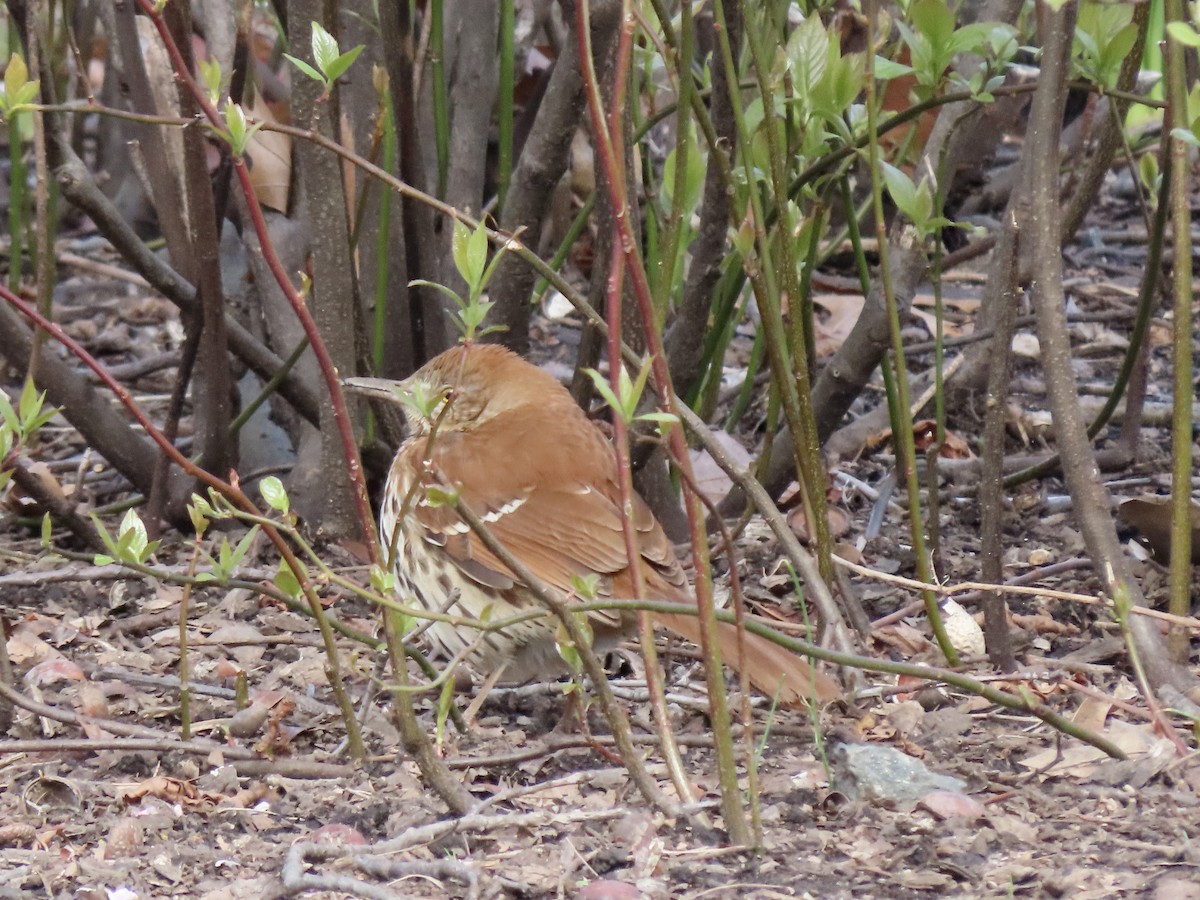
point(295, 877)
point(1090, 500)
point(138, 737)
point(968, 588)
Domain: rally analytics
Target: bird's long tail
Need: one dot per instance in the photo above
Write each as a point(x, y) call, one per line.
point(769, 667)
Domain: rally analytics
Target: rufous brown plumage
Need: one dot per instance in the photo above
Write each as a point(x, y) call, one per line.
point(510, 440)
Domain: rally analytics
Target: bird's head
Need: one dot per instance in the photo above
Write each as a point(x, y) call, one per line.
point(464, 387)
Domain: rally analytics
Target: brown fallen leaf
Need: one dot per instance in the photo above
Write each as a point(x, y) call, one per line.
point(1150, 517)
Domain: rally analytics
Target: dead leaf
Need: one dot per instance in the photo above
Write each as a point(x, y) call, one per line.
point(953, 446)
point(710, 478)
point(952, 805)
point(1150, 517)
point(1092, 713)
point(839, 522)
point(270, 156)
point(832, 330)
point(54, 670)
point(170, 790)
point(1080, 761)
point(1043, 624)
point(903, 638)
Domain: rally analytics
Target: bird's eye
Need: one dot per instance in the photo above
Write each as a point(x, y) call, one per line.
point(447, 396)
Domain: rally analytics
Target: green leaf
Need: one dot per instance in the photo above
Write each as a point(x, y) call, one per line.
point(30, 403)
point(421, 282)
point(105, 537)
point(338, 67)
point(324, 48)
point(604, 389)
point(242, 548)
point(1183, 33)
point(274, 493)
point(586, 587)
point(1148, 171)
point(198, 510)
point(807, 54)
point(934, 20)
point(743, 239)
point(693, 179)
point(382, 581)
point(133, 544)
point(16, 75)
point(436, 496)
point(887, 69)
point(236, 133)
point(286, 580)
point(445, 701)
point(47, 529)
point(18, 89)
point(664, 419)
point(11, 422)
point(1188, 137)
point(305, 68)
point(476, 257)
point(210, 74)
point(900, 187)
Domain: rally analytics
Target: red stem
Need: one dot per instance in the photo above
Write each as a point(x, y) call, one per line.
point(641, 289)
point(329, 372)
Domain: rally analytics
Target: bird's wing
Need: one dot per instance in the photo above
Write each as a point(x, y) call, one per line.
point(558, 522)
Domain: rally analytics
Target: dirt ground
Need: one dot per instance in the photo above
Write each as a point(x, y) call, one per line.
point(98, 799)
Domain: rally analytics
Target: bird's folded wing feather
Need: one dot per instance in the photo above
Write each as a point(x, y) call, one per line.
point(561, 526)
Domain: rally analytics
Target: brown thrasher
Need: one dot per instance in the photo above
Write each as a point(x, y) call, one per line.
point(523, 457)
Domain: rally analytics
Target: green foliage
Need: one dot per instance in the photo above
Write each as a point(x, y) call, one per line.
point(826, 81)
point(237, 131)
point(419, 400)
point(914, 200)
point(228, 557)
point(567, 649)
point(470, 251)
point(19, 92)
point(693, 180)
point(131, 545)
point(1104, 36)
point(586, 587)
point(19, 424)
point(382, 581)
point(274, 493)
point(212, 79)
point(624, 401)
point(286, 581)
point(933, 42)
point(436, 496)
point(331, 62)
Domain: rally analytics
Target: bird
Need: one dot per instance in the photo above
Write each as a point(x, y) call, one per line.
point(511, 442)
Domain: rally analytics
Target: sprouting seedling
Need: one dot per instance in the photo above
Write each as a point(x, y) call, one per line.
point(131, 545)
